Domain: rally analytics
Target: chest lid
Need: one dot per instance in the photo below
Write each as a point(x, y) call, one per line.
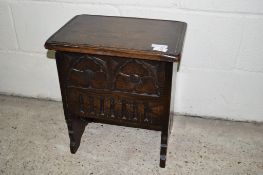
point(121, 36)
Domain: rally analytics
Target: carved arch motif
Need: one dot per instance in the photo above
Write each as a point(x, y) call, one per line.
point(136, 76)
point(89, 72)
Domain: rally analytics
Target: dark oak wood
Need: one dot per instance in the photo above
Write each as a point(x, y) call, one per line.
point(108, 73)
point(119, 36)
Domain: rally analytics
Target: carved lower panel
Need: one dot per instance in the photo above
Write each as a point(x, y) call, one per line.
point(117, 107)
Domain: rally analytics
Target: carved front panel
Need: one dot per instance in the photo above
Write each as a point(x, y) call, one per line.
point(113, 88)
point(117, 74)
point(85, 103)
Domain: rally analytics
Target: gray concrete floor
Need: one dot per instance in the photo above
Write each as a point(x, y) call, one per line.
point(34, 140)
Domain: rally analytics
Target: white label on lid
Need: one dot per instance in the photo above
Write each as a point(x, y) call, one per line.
point(160, 47)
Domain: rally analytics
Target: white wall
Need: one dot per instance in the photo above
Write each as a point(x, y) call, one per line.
point(221, 72)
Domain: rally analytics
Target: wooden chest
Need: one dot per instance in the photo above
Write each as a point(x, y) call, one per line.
point(118, 71)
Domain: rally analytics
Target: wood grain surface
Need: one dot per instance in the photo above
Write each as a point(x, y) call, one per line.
point(120, 36)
